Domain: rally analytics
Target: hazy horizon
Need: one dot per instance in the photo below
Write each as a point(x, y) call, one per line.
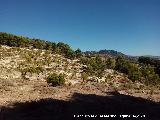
point(131, 27)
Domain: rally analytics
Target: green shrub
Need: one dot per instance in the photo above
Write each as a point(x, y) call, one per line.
point(78, 53)
point(149, 75)
point(95, 66)
point(122, 65)
point(84, 76)
point(110, 63)
point(56, 79)
point(134, 75)
point(31, 70)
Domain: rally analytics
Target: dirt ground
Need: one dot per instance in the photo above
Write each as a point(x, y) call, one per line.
point(36, 100)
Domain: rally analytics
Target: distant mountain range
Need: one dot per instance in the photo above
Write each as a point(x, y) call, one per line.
point(113, 53)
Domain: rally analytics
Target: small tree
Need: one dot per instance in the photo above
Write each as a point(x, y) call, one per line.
point(78, 53)
point(111, 63)
point(70, 54)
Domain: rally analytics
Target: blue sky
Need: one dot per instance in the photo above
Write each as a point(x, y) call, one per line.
point(128, 26)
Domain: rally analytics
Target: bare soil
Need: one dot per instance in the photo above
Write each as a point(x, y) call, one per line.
point(36, 100)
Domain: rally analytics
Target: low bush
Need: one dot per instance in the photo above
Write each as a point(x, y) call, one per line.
point(56, 79)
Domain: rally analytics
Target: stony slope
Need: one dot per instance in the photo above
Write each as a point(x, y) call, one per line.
point(23, 79)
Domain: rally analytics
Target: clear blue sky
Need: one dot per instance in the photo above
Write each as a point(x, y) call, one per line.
point(128, 26)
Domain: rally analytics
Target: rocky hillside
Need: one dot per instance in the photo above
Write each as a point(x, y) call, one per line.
point(25, 69)
point(36, 64)
point(23, 66)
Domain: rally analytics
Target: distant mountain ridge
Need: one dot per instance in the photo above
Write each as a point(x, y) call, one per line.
point(112, 53)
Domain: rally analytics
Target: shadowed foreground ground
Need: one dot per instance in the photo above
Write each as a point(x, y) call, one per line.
point(53, 109)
